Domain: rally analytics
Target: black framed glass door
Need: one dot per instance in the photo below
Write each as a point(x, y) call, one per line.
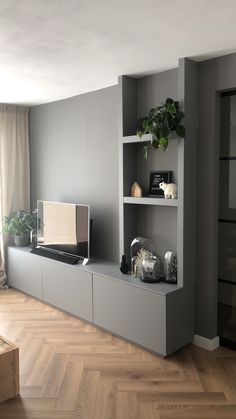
point(227, 223)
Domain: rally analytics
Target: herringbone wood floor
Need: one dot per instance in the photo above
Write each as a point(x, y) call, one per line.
point(71, 370)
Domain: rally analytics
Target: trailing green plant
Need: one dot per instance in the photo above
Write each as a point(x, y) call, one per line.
point(160, 122)
point(19, 223)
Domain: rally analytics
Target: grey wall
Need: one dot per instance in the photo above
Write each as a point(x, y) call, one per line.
point(154, 89)
point(214, 76)
point(74, 158)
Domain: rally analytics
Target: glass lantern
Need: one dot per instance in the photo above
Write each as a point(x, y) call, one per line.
point(170, 267)
point(152, 270)
point(140, 248)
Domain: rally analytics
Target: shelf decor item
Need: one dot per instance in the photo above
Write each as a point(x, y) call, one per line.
point(124, 267)
point(136, 190)
point(155, 179)
point(140, 248)
point(170, 267)
point(160, 122)
point(151, 269)
point(170, 190)
point(19, 224)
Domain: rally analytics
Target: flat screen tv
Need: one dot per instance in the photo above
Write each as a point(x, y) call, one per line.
point(63, 229)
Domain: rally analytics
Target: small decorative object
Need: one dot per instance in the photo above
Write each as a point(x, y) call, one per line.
point(124, 267)
point(155, 179)
point(170, 190)
point(33, 238)
point(151, 269)
point(160, 122)
point(136, 190)
point(19, 225)
point(170, 267)
point(140, 248)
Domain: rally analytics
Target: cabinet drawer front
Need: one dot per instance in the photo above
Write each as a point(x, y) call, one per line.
point(68, 288)
point(24, 272)
point(130, 312)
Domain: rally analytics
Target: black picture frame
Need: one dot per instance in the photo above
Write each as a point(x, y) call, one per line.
point(155, 179)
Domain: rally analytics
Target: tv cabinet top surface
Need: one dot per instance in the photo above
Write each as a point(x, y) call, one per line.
point(110, 270)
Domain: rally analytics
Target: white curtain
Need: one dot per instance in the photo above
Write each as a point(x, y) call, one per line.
point(14, 167)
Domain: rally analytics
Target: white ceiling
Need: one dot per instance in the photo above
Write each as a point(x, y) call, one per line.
point(54, 49)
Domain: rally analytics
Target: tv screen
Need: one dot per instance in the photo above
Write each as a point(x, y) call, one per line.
point(64, 228)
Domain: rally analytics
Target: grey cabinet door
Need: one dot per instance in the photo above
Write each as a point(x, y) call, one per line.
point(68, 288)
point(130, 312)
point(24, 272)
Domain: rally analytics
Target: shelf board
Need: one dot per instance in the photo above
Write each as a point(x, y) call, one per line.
point(135, 139)
point(160, 288)
point(151, 201)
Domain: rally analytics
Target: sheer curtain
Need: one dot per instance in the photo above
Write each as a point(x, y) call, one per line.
point(14, 167)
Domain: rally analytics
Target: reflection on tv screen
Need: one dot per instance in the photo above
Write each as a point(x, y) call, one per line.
point(64, 227)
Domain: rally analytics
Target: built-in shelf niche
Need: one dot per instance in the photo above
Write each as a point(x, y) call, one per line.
point(137, 169)
point(158, 223)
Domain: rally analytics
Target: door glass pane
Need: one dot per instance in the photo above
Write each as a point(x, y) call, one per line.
point(232, 142)
point(227, 252)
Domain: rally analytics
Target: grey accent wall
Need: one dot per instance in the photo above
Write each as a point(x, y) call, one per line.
point(74, 158)
point(214, 76)
point(153, 90)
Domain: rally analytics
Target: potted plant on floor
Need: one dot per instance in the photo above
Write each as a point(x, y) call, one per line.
point(19, 224)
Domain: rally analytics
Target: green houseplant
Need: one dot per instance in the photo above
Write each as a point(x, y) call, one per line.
point(160, 122)
point(19, 224)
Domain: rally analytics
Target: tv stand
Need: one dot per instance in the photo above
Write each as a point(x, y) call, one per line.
point(62, 257)
point(102, 295)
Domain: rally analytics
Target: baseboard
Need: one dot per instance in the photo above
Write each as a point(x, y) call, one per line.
point(209, 344)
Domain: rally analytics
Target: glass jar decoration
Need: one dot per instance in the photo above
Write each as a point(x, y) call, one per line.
point(151, 269)
point(170, 267)
point(140, 248)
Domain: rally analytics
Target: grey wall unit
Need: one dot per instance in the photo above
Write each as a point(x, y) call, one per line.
point(179, 220)
point(146, 314)
point(151, 315)
point(24, 272)
point(169, 225)
point(136, 314)
point(68, 288)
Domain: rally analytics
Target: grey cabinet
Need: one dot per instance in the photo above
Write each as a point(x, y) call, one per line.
point(133, 313)
point(151, 315)
point(24, 272)
point(68, 288)
point(56, 283)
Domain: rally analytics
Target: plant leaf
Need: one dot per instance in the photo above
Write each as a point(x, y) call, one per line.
point(139, 134)
point(164, 132)
point(152, 112)
point(164, 143)
point(180, 131)
point(145, 152)
point(155, 143)
point(145, 125)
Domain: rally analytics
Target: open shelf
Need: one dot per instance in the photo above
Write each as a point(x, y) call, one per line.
point(129, 139)
point(151, 201)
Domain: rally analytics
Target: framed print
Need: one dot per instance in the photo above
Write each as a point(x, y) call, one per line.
point(155, 179)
